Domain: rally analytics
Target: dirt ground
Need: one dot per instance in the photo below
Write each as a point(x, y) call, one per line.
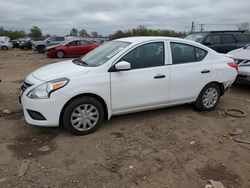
point(175, 147)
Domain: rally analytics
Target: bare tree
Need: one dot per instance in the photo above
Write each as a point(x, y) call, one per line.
point(244, 26)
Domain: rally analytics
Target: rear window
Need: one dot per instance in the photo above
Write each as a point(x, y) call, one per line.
point(244, 38)
point(184, 53)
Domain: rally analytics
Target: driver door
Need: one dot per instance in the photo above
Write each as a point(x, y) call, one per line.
point(146, 85)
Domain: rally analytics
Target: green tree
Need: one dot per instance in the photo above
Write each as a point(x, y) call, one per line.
point(74, 32)
point(2, 31)
point(15, 34)
point(143, 31)
point(94, 34)
point(35, 32)
point(83, 33)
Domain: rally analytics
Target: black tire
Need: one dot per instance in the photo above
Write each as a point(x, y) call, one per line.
point(72, 106)
point(40, 49)
point(60, 54)
point(4, 48)
point(199, 104)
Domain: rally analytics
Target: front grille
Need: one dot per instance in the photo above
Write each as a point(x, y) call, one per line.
point(25, 86)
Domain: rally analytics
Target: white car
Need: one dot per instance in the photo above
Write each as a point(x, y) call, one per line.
point(5, 45)
point(124, 76)
point(242, 58)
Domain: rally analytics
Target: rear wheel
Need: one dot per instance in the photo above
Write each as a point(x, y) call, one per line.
point(40, 49)
point(208, 98)
point(83, 115)
point(60, 54)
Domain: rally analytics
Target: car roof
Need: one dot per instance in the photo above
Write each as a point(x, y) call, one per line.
point(220, 32)
point(172, 39)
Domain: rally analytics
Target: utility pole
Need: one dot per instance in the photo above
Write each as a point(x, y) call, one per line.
point(202, 29)
point(192, 27)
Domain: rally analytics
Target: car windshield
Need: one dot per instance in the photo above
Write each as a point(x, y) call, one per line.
point(197, 37)
point(65, 42)
point(103, 53)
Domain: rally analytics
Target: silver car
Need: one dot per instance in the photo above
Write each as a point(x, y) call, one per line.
point(242, 58)
point(5, 45)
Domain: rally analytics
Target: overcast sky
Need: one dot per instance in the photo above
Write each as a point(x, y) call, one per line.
point(107, 16)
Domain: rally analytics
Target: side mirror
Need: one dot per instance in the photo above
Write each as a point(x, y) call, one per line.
point(207, 43)
point(120, 66)
point(48, 41)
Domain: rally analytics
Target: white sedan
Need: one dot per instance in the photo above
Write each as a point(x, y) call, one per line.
point(5, 45)
point(124, 76)
point(242, 57)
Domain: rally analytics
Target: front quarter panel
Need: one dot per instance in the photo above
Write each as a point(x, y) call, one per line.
point(96, 82)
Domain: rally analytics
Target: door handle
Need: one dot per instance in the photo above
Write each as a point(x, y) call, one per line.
point(205, 71)
point(159, 76)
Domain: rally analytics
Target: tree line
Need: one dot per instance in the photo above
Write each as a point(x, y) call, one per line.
point(36, 32)
point(143, 31)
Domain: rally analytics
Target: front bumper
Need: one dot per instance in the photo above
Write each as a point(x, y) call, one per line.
point(50, 108)
point(50, 53)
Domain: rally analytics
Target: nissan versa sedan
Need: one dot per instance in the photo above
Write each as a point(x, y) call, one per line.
point(124, 76)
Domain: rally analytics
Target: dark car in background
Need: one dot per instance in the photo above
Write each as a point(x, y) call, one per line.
point(71, 48)
point(28, 44)
point(221, 41)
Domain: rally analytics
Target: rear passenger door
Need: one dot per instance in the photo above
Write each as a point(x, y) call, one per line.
point(228, 43)
point(189, 72)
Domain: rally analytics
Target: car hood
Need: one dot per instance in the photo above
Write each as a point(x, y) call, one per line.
point(39, 43)
point(240, 53)
point(54, 46)
point(59, 70)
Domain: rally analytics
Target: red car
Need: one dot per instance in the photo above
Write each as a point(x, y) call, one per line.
point(72, 48)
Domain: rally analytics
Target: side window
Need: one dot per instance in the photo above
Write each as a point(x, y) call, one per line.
point(184, 53)
point(83, 43)
point(200, 54)
point(73, 43)
point(227, 39)
point(212, 40)
point(244, 38)
point(52, 39)
point(59, 38)
point(147, 55)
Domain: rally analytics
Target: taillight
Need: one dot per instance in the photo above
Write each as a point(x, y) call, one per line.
point(234, 65)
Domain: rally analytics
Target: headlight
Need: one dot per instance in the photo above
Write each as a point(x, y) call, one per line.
point(43, 91)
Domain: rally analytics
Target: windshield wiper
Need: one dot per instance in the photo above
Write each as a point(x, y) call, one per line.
point(80, 61)
point(245, 47)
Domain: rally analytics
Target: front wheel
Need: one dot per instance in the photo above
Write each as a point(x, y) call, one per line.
point(4, 48)
point(83, 115)
point(208, 98)
point(60, 54)
point(40, 49)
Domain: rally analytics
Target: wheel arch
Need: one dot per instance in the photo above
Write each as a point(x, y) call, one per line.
point(5, 47)
point(100, 99)
point(220, 85)
point(60, 49)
